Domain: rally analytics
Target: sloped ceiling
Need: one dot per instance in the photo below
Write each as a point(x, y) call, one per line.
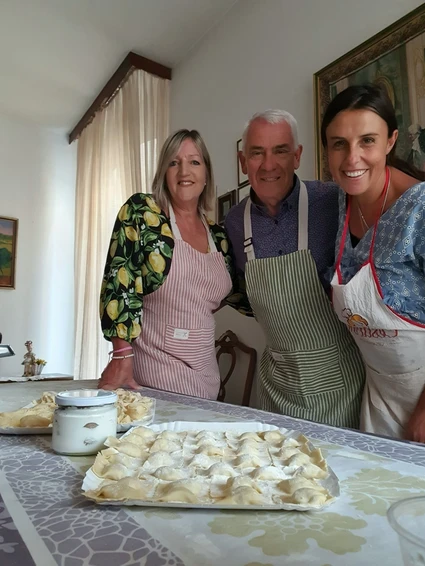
point(56, 55)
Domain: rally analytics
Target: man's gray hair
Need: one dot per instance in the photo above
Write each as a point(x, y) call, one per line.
point(273, 117)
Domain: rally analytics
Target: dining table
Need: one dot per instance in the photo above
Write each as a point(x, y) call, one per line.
point(45, 519)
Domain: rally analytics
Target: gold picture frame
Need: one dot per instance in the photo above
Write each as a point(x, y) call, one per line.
point(389, 59)
point(8, 244)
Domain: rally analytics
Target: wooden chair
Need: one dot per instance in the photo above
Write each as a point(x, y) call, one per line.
point(226, 344)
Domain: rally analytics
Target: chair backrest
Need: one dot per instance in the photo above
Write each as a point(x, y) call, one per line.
point(226, 344)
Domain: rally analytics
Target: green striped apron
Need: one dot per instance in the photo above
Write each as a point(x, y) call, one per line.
point(311, 367)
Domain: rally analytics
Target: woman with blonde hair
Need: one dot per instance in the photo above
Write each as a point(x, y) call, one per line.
point(167, 271)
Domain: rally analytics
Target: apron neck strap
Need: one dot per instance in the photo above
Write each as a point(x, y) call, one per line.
point(177, 235)
point(174, 228)
point(383, 196)
point(303, 218)
point(248, 248)
point(302, 223)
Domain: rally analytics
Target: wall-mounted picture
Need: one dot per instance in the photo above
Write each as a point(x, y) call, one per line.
point(8, 241)
point(395, 60)
point(243, 192)
point(242, 178)
point(224, 204)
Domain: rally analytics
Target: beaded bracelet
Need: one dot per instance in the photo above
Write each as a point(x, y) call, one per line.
point(122, 349)
point(122, 357)
point(112, 352)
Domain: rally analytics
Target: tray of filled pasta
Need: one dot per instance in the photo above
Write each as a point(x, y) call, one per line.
point(243, 465)
point(37, 417)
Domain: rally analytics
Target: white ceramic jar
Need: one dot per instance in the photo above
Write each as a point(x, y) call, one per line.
point(83, 420)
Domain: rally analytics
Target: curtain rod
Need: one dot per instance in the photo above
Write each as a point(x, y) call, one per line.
point(131, 62)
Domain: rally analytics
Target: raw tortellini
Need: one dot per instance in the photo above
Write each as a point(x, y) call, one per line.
point(169, 473)
point(267, 473)
point(302, 491)
point(37, 416)
point(37, 421)
point(125, 489)
point(205, 467)
point(131, 405)
point(164, 445)
point(244, 495)
point(177, 493)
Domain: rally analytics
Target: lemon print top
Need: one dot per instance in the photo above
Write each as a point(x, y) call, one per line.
point(138, 262)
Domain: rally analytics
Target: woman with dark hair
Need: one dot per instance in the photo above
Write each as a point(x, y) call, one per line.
point(379, 283)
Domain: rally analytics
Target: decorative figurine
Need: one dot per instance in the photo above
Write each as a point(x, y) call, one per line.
point(29, 360)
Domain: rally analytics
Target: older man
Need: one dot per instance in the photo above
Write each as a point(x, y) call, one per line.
point(283, 238)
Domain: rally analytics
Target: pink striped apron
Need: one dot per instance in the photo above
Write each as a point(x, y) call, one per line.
point(175, 350)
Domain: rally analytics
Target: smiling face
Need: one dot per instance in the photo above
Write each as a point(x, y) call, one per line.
point(270, 159)
point(186, 175)
point(357, 147)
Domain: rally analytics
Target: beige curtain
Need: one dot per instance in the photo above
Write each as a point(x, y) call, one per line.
point(117, 156)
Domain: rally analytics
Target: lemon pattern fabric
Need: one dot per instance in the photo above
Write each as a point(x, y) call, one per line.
point(138, 262)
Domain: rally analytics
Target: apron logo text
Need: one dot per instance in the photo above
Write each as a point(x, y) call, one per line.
point(360, 326)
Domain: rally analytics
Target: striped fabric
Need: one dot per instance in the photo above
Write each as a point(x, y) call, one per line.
point(311, 367)
point(176, 349)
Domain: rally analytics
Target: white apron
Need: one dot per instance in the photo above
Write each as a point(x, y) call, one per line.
point(176, 348)
point(393, 347)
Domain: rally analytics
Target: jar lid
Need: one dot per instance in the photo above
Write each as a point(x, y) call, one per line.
point(85, 398)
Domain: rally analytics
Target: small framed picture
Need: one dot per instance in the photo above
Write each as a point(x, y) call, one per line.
point(224, 204)
point(243, 192)
point(242, 178)
point(8, 242)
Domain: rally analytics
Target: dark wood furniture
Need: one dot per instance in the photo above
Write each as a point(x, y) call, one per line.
point(227, 344)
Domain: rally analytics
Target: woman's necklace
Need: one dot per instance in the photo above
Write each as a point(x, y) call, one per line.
point(362, 218)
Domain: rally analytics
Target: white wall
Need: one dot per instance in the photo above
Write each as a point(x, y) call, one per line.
point(37, 186)
point(263, 55)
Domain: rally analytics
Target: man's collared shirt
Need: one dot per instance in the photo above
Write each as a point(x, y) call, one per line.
point(278, 235)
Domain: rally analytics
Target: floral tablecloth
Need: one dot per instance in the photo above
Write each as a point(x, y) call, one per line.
point(45, 520)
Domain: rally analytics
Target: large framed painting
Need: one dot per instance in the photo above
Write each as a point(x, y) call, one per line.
point(395, 60)
point(8, 242)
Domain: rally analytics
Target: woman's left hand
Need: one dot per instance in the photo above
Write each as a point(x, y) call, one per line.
point(415, 429)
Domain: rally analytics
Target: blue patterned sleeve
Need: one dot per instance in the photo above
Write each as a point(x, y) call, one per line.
point(417, 222)
point(399, 254)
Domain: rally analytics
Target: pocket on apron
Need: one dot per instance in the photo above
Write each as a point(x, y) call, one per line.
point(193, 347)
point(308, 372)
point(395, 395)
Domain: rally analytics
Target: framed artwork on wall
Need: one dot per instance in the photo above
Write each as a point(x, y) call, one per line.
point(242, 178)
point(243, 192)
point(224, 204)
point(395, 60)
point(8, 242)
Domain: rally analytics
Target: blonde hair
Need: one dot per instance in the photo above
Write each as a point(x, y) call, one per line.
point(169, 151)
